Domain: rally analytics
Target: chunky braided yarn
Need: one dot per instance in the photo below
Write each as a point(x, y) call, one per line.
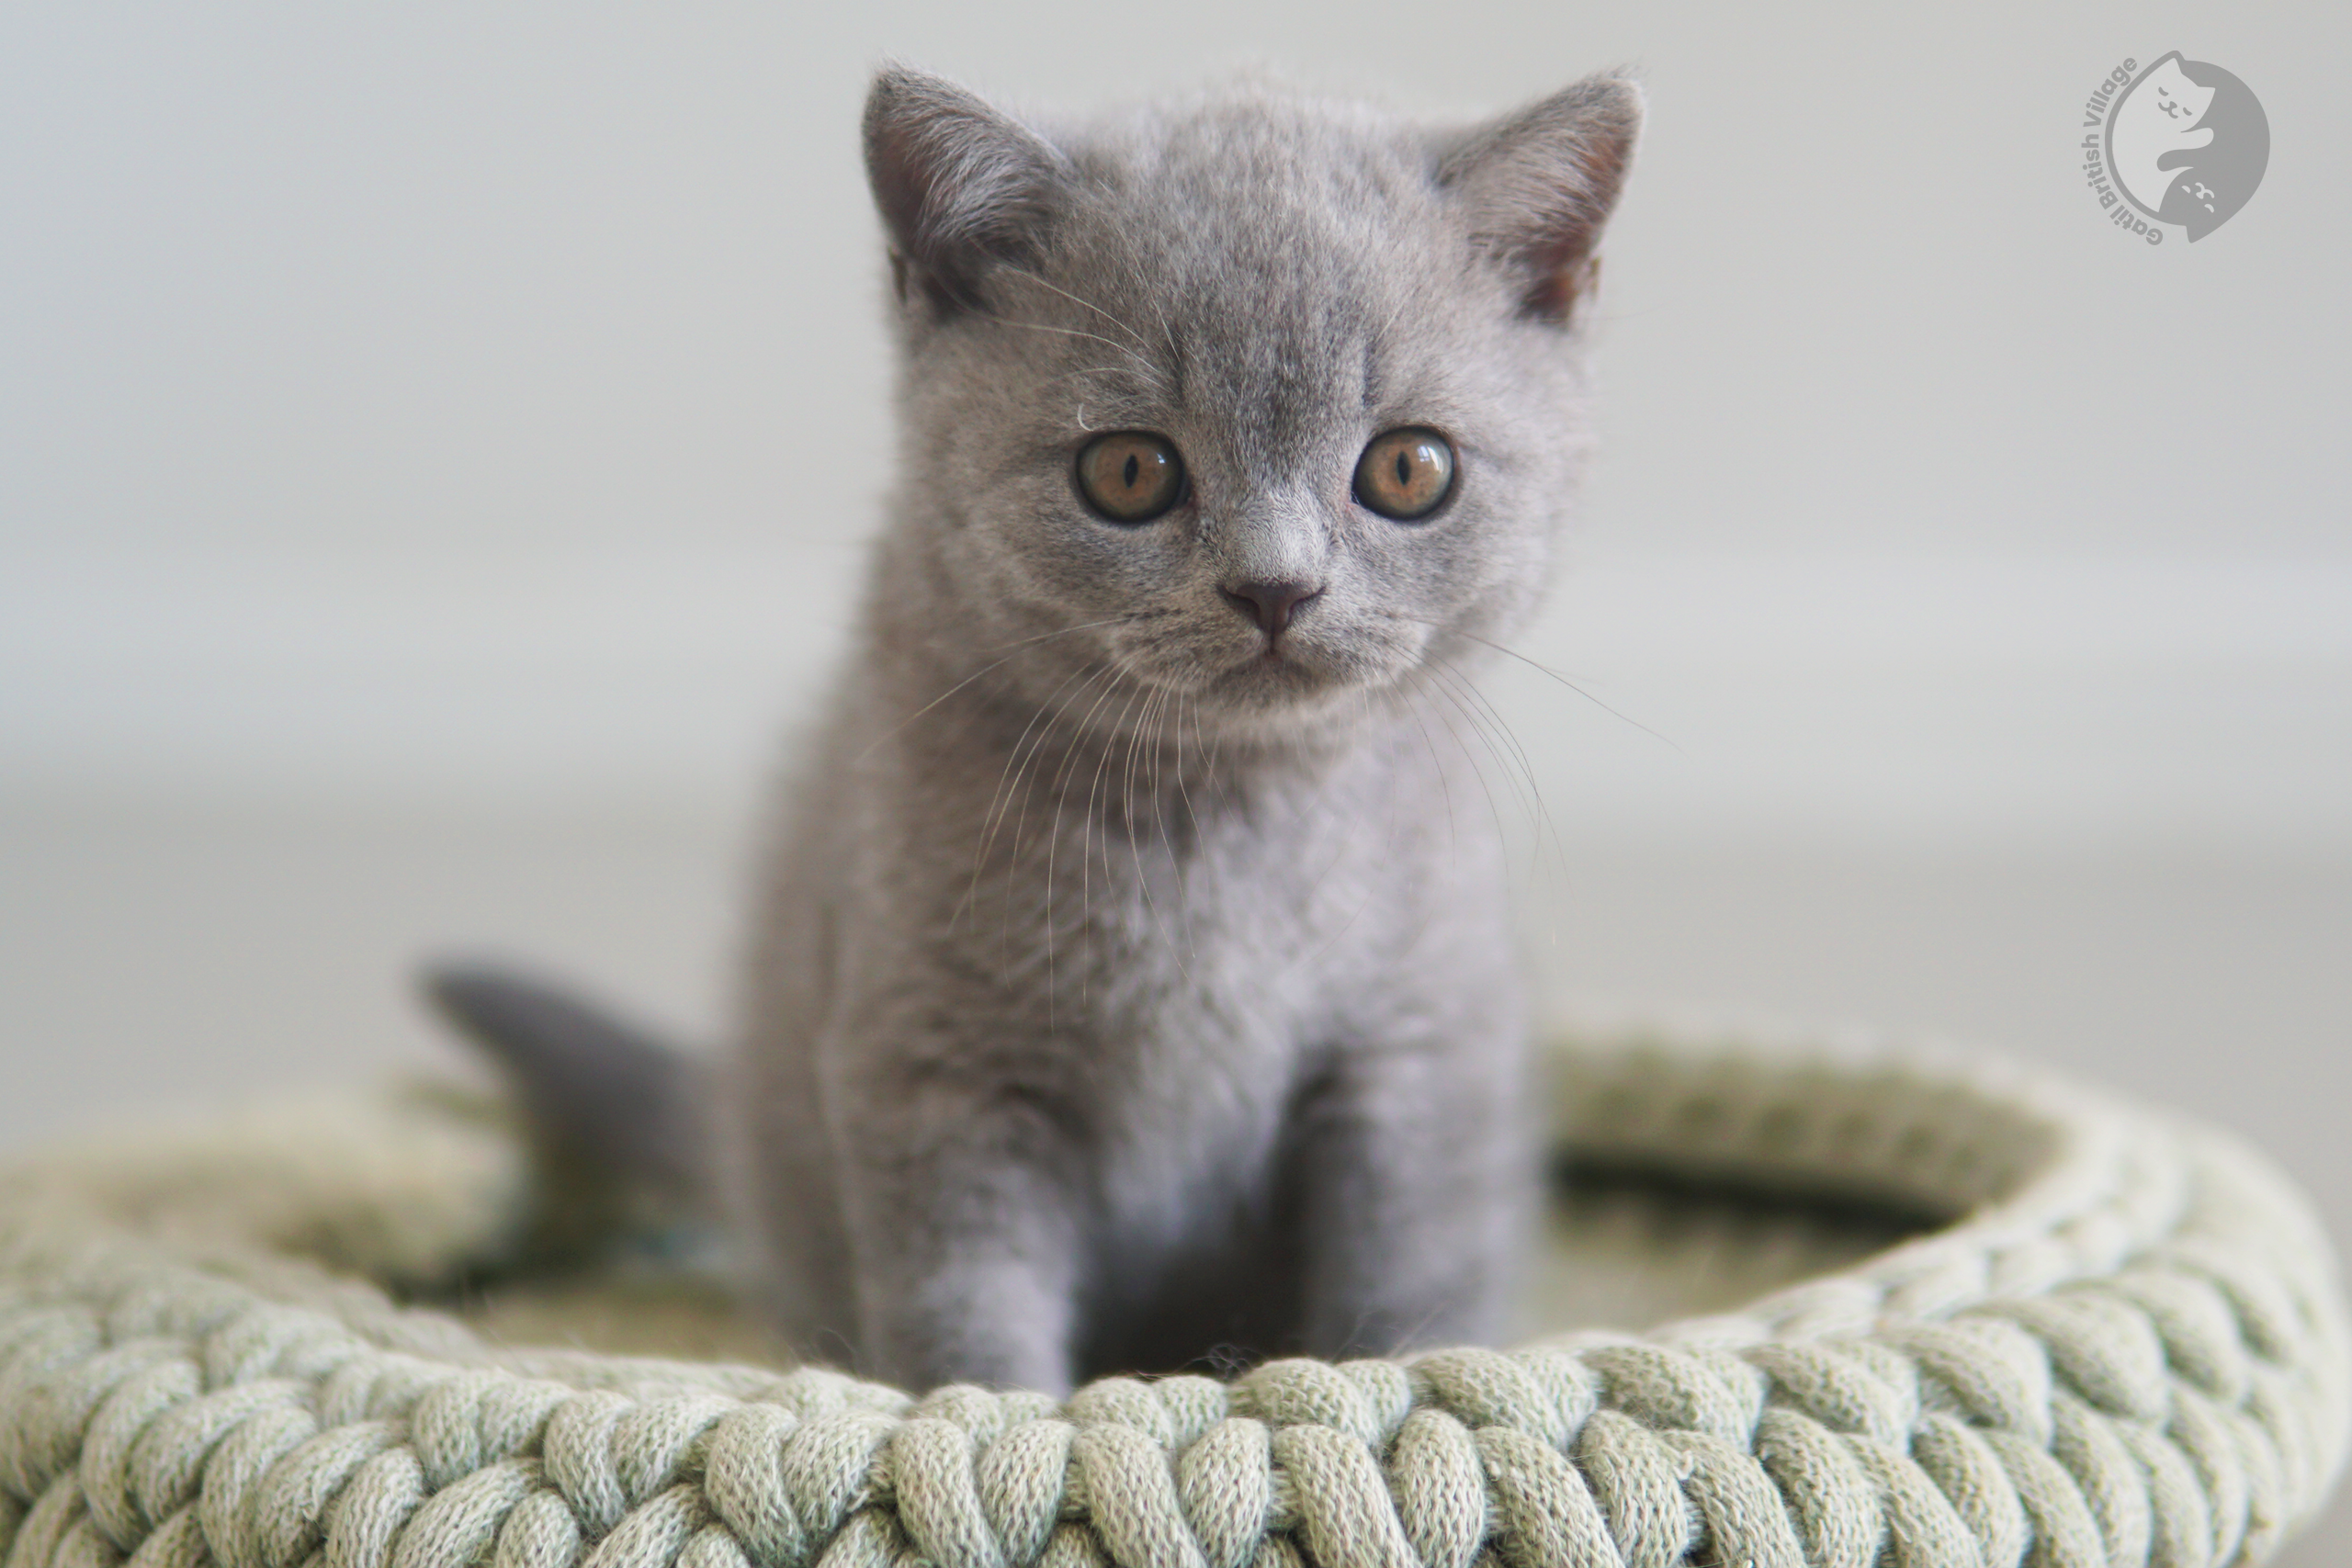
point(2131, 1351)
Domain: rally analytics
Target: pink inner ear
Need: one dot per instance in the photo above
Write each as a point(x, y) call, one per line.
point(1557, 236)
point(901, 182)
point(1558, 287)
point(1539, 184)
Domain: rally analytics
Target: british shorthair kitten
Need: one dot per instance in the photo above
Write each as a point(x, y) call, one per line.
point(1133, 984)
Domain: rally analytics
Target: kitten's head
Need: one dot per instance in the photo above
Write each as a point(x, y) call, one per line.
point(1265, 401)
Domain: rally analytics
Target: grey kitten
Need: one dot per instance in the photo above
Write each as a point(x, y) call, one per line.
point(1133, 984)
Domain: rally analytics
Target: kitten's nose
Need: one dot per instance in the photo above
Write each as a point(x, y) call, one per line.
point(1269, 604)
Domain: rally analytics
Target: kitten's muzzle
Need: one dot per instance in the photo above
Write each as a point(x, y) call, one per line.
point(1269, 605)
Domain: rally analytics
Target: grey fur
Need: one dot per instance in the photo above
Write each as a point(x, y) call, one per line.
point(593, 1086)
point(1132, 986)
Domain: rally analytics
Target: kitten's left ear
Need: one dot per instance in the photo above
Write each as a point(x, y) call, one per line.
point(1536, 186)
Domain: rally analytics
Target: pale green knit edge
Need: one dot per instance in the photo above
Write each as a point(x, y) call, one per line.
point(2134, 1352)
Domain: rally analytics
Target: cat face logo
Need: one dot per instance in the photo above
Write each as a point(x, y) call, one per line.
point(2186, 144)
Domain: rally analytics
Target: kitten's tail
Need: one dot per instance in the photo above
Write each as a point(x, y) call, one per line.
point(617, 1115)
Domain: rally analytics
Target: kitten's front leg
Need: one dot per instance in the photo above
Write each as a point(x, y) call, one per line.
point(965, 1230)
point(1413, 1177)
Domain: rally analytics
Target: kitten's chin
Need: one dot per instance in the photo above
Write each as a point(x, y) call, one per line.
point(1288, 695)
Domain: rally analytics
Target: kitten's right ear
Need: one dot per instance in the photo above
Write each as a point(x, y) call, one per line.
point(961, 184)
point(1535, 186)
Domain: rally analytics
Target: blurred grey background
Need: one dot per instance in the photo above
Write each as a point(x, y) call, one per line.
point(436, 443)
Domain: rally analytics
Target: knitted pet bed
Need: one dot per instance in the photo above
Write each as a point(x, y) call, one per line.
point(2124, 1345)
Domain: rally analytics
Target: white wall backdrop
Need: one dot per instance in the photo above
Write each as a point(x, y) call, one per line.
point(489, 401)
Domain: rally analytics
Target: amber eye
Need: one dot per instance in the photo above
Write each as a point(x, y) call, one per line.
point(1130, 476)
point(1405, 473)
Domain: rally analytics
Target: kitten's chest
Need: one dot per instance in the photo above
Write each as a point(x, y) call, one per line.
point(1230, 962)
point(1196, 952)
